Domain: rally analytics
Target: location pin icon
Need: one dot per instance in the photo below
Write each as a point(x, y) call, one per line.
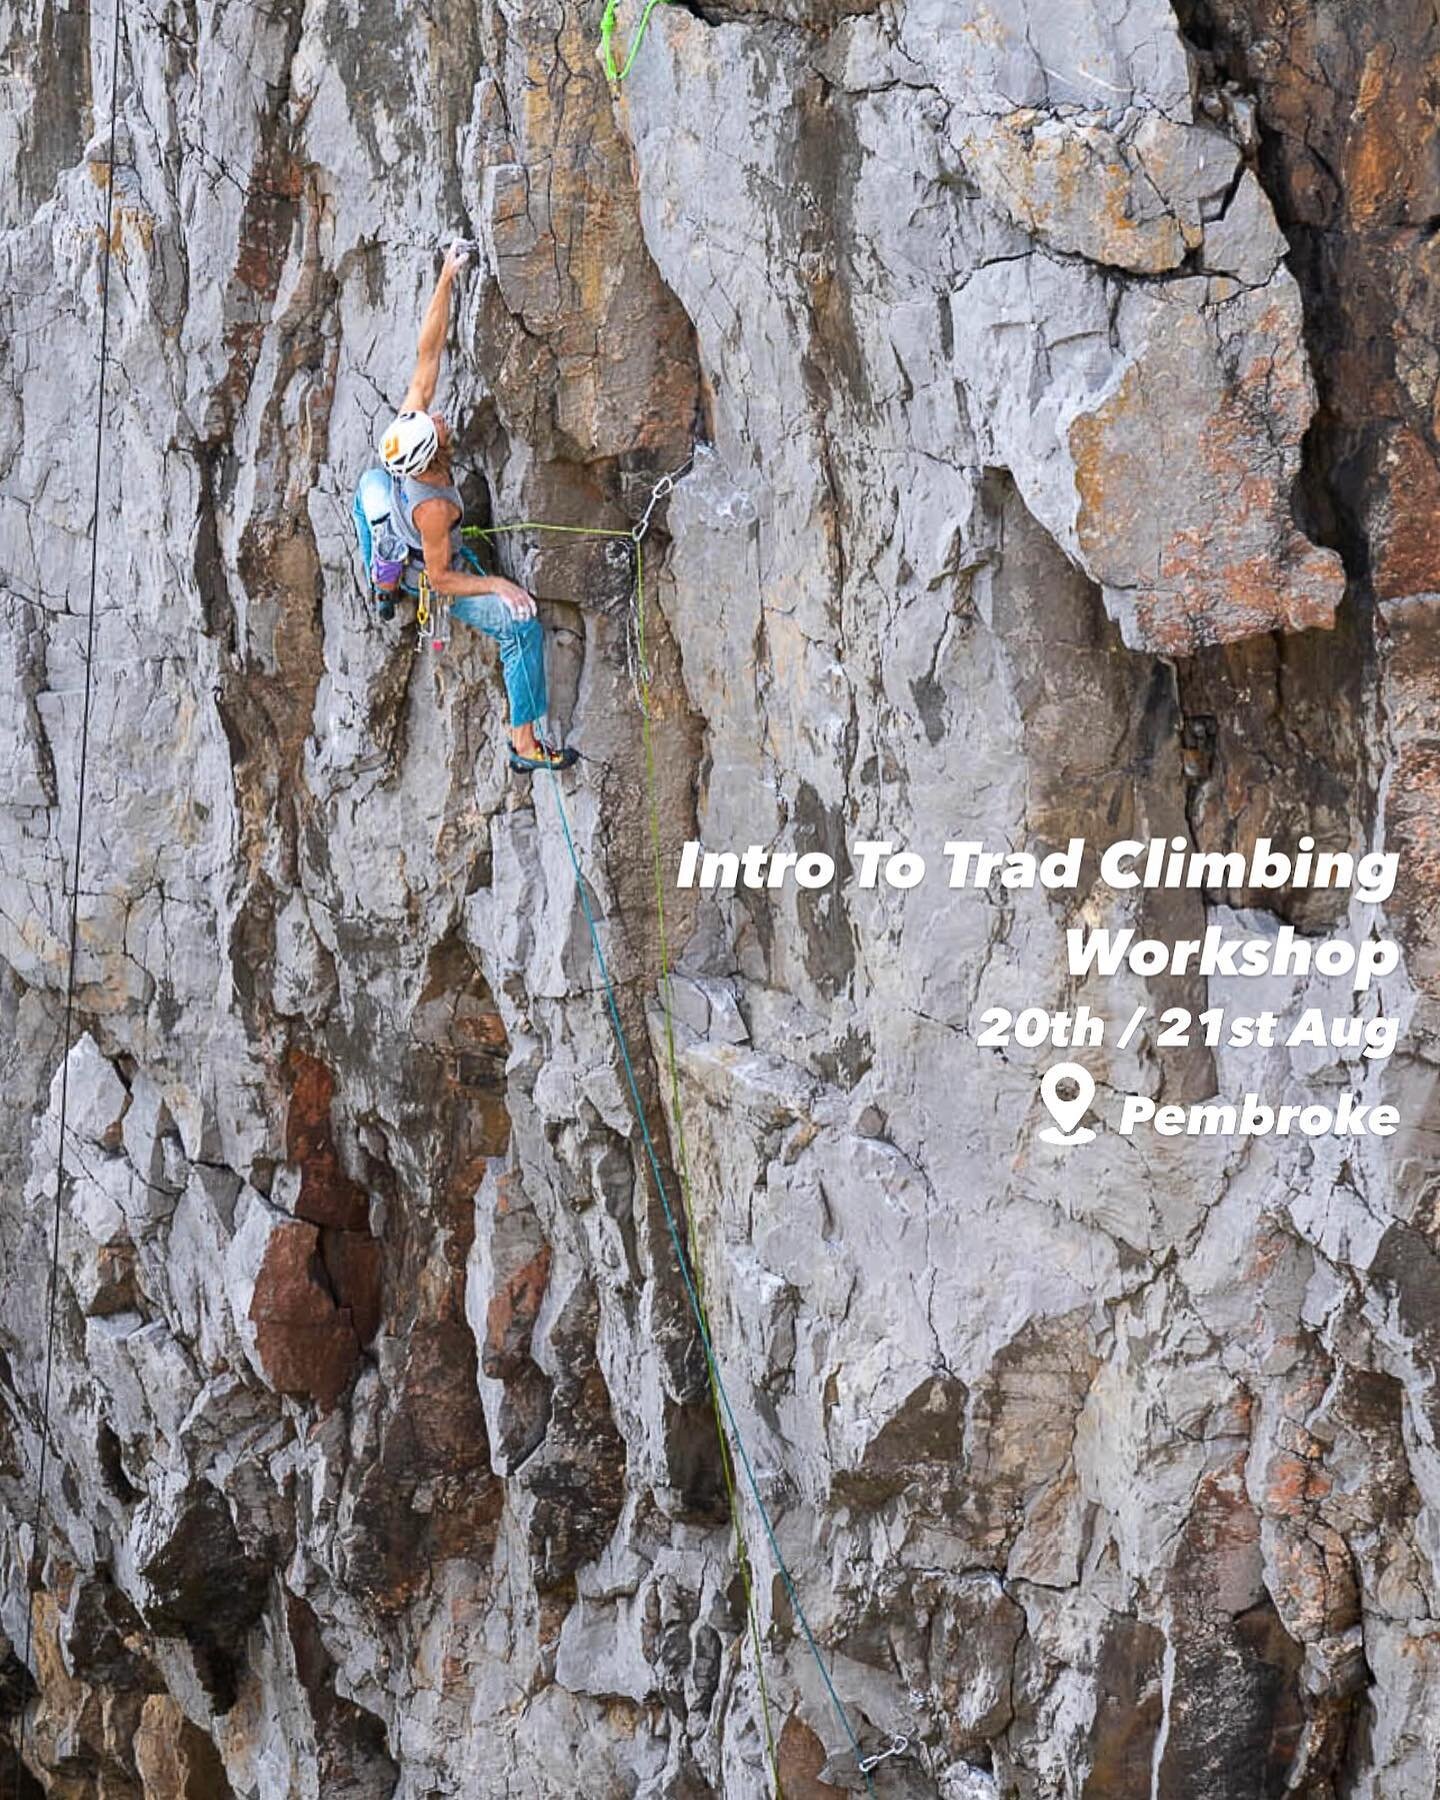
point(1067, 1114)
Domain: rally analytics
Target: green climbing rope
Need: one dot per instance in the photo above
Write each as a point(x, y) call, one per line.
point(607, 34)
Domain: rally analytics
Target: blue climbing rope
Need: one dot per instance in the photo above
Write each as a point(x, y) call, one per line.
point(691, 1290)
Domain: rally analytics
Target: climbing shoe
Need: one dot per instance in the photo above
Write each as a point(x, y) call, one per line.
point(546, 758)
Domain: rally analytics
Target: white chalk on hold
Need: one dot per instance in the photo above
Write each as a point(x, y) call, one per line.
point(466, 247)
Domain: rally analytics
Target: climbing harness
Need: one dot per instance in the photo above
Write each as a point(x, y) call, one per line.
point(730, 1433)
point(432, 609)
point(607, 34)
point(68, 1031)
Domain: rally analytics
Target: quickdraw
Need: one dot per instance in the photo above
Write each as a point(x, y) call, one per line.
point(432, 616)
point(662, 490)
point(898, 1747)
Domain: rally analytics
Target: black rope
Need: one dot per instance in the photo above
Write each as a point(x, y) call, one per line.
point(32, 1582)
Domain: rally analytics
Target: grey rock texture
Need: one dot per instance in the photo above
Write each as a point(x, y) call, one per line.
point(1062, 396)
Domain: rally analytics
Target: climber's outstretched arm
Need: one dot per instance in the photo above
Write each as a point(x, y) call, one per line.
point(433, 328)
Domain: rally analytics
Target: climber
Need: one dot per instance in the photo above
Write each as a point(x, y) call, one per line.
point(411, 510)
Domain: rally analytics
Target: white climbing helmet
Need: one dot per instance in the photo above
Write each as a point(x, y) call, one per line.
point(410, 444)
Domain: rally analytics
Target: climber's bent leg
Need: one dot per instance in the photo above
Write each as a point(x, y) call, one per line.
point(522, 652)
point(522, 662)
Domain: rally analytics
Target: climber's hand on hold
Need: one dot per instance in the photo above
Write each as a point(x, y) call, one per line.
point(521, 604)
point(456, 258)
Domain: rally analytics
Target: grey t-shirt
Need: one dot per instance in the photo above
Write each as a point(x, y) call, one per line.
point(410, 493)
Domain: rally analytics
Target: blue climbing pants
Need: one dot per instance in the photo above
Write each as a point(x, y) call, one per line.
point(522, 651)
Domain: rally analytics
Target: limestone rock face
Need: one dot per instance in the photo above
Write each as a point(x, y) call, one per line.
point(1056, 392)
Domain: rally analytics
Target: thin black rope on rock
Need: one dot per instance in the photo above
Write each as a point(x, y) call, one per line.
point(32, 1574)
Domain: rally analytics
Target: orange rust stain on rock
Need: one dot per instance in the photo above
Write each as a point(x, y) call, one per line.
point(1099, 462)
point(173, 1756)
point(318, 1292)
point(1405, 538)
point(1223, 1521)
point(1379, 148)
point(1292, 1484)
point(1246, 569)
point(1299, 1577)
point(354, 1266)
point(306, 1345)
point(327, 1194)
point(801, 1757)
point(511, 1315)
